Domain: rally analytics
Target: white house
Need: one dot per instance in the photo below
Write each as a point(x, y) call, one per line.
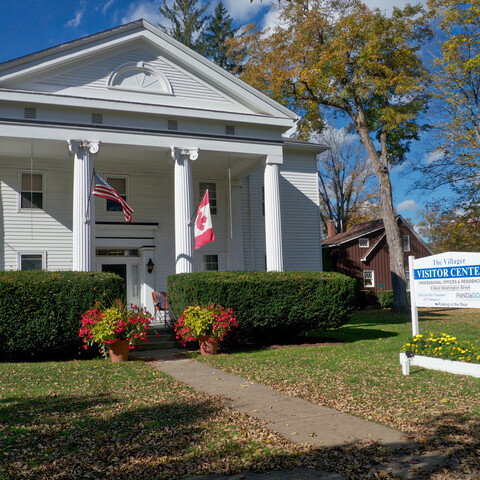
point(160, 123)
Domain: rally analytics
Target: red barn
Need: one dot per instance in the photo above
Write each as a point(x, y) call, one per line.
point(362, 252)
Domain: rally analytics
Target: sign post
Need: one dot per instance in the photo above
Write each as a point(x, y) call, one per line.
point(413, 303)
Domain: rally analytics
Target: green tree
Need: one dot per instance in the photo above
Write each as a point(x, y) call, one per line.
point(451, 229)
point(455, 161)
point(188, 22)
point(217, 34)
point(365, 65)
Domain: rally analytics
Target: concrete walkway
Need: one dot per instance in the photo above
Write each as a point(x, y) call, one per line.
point(294, 418)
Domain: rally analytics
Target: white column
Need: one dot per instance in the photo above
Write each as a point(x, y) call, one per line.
point(83, 228)
point(273, 214)
point(183, 186)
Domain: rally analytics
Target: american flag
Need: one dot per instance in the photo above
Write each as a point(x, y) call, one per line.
point(103, 189)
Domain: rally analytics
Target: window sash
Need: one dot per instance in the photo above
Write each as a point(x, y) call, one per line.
point(31, 261)
point(364, 242)
point(120, 186)
point(368, 278)
point(210, 263)
point(31, 190)
point(212, 195)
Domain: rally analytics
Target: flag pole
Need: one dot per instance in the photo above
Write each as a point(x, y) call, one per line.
point(196, 210)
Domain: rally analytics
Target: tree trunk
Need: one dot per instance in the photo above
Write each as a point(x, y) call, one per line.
point(392, 231)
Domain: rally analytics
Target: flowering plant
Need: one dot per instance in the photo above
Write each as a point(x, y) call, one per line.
point(104, 326)
point(445, 346)
point(212, 321)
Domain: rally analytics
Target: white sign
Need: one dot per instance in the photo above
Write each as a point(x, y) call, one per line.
point(447, 280)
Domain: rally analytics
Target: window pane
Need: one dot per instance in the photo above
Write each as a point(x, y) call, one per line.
point(363, 242)
point(32, 182)
point(119, 184)
point(212, 195)
point(115, 206)
point(406, 243)
point(210, 263)
point(368, 278)
point(31, 200)
point(135, 282)
point(31, 262)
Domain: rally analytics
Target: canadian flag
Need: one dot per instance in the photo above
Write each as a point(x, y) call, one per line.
point(203, 224)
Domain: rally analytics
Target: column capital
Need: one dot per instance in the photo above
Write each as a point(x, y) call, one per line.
point(74, 146)
point(190, 153)
point(273, 159)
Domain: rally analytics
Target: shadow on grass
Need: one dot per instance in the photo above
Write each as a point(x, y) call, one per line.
point(66, 437)
point(354, 334)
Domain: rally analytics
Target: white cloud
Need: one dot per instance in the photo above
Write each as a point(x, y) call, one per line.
point(408, 205)
point(386, 6)
point(77, 19)
point(433, 156)
point(242, 11)
point(107, 6)
point(144, 9)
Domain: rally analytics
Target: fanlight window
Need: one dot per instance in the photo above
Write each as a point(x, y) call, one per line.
point(140, 77)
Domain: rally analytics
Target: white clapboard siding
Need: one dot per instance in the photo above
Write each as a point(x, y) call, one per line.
point(38, 231)
point(302, 249)
point(300, 217)
point(94, 74)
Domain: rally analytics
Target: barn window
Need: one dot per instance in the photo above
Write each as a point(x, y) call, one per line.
point(368, 279)
point(363, 242)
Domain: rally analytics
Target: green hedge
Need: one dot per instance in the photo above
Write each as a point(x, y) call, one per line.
point(270, 306)
point(40, 311)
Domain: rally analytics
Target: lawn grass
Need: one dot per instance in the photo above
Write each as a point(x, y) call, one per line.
point(95, 419)
point(356, 369)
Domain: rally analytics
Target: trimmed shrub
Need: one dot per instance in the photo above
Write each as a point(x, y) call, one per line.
point(40, 312)
point(385, 298)
point(269, 306)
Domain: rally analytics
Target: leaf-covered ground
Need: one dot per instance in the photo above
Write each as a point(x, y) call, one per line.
point(356, 369)
point(98, 420)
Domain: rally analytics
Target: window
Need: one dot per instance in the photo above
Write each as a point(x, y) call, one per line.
point(31, 190)
point(210, 263)
point(406, 243)
point(120, 186)
point(30, 112)
point(97, 118)
point(31, 261)
point(363, 242)
point(212, 195)
point(368, 279)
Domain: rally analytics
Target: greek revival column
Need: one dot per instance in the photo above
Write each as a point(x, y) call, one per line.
point(183, 194)
point(273, 220)
point(83, 228)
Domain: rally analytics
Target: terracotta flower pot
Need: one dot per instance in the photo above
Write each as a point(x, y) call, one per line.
point(119, 351)
point(206, 346)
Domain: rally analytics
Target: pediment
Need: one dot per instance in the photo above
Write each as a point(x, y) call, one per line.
point(142, 65)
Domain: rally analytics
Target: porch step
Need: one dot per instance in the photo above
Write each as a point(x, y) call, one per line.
point(166, 339)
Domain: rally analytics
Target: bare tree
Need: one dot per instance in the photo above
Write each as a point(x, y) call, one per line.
point(348, 189)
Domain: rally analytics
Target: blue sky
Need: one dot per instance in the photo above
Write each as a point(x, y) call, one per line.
point(29, 26)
